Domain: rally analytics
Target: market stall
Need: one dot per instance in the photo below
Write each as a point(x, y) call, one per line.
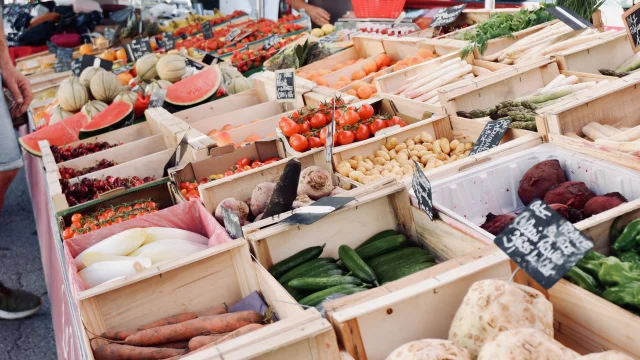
point(236, 188)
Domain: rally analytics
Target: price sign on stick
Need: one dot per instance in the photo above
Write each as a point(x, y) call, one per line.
point(76, 66)
point(309, 214)
point(52, 47)
point(206, 30)
point(446, 16)
point(232, 223)
point(169, 41)
point(210, 59)
point(232, 35)
point(285, 85)
point(631, 20)
point(422, 189)
point(543, 243)
point(491, 135)
point(138, 48)
point(64, 57)
point(270, 41)
point(573, 20)
point(92, 61)
point(328, 151)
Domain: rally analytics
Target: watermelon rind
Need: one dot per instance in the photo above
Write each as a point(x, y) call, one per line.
point(211, 77)
point(99, 124)
point(61, 133)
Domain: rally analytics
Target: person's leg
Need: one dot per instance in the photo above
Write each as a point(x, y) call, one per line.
point(6, 177)
point(17, 304)
point(10, 154)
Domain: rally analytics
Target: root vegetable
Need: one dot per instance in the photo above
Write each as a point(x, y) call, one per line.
point(127, 352)
point(164, 233)
point(495, 224)
point(602, 203)
point(238, 207)
point(429, 349)
point(525, 344)
point(104, 271)
point(117, 335)
point(285, 191)
point(216, 311)
point(538, 179)
point(122, 243)
point(175, 345)
point(169, 320)
point(186, 330)
point(627, 147)
point(200, 341)
point(337, 191)
point(302, 200)
point(315, 182)
point(573, 194)
point(165, 250)
point(592, 131)
point(568, 213)
point(260, 197)
point(237, 333)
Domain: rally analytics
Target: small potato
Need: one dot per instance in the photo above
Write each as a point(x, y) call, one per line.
point(428, 146)
point(425, 158)
point(419, 148)
point(407, 169)
point(459, 149)
point(375, 172)
point(383, 155)
point(367, 179)
point(343, 163)
point(386, 173)
point(393, 153)
point(442, 156)
point(400, 147)
point(391, 143)
point(432, 160)
point(416, 139)
point(345, 170)
point(357, 158)
point(467, 152)
point(367, 161)
point(426, 137)
point(398, 176)
point(461, 156)
point(411, 148)
point(430, 166)
point(436, 147)
point(361, 169)
point(404, 151)
point(379, 161)
point(403, 156)
point(468, 146)
point(453, 158)
point(439, 163)
point(397, 170)
point(444, 145)
point(415, 158)
point(376, 177)
point(364, 165)
point(371, 157)
point(387, 167)
point(356, 175)
point(413, 153)
point(410, 142)
point(454, 144)
point(353, 163)
point(422, 153)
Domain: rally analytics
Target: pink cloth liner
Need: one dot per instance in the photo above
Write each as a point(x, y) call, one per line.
point(190, 216)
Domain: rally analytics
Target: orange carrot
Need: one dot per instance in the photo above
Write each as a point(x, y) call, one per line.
point(200, 341)
point(117, 335)
point(170, 320)
point(242, 331)
point(216, 311)
point(126, 352)
point(175, 345)
point(201, 326)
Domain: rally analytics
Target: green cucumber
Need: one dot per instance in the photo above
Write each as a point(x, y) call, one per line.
point(381, 247)
point(378, 236)
point(356, 265)
point(394, 255)
point(316, 298)
point(294, 293)
point(296, 260)
point(317, 284)
point(406, 271)
point(305, 269)
point(415, 258)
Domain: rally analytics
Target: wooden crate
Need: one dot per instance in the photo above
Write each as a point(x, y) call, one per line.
point(388, 84)
point(587, 322)
point(221, 274)
point(609, 52)
point(616, 105)
point(469, 17)
point(442, 126)
point(363, 47)
point(495, 45)
point(506, 84)
point(265, 82)
point(222, 106)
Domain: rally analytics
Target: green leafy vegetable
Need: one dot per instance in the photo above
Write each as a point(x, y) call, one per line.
point(584, 8)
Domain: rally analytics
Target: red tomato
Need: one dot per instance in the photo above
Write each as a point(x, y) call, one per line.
point(350, 117)
point(362, 133)
point(351, 107)
point(76, 217)
point(295, 115)
point(377, 125)
point(289, 127)
point(67, 234)
point(345, 137)
point(244, 161)
point(314, 142)
point(323, 135)
point(305, 127)
point(282, 121)
point(269, 162)
point(228, 173)
point(318, 120)
point(192, 186)
point(337, 115)
point(203, 181)
point(299, 143)
point(366, 111)
point(401, 123)
point(238, 170)
point(272, 159)
point(256, 164)
point(184, 185)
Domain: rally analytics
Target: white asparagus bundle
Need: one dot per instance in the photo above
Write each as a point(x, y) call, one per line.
point(425, 80)
point(592, 132)
point(434, 92)
point(627, 135)
point(531, 53)
point(433, 100)
point(426, 72)
point(602, 83)
point(614, 130)
point(553, 82)
point(440, 82)
point(570, 43)
point(602, 129)
point(522, 46)
point(533, 38)
point(479, 71)
point(626, 147)
point(571, 80)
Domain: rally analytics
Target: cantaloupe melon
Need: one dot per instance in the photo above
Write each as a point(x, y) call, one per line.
point(93, 108)
point(87, 74)
point(72, 94)
point(171, 67)
point(146, 67)
point(105, 86)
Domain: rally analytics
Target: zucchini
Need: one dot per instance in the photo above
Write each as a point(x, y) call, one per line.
point(316, 298)
point(381, 247)
point(394, 255)
point(306, 268)
point(405, 271)
point(317, 284)
point(296, 260)
point(356, 265)
point(415, 258)
point(378, 236)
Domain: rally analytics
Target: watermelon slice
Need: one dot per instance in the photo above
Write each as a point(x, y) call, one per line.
point(61, 133)
point(196, 88)
point(115, 116)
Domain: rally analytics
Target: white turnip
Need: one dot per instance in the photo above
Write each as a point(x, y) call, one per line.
point(315, 182)
point(236, 206)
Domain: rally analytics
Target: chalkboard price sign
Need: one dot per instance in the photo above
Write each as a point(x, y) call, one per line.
point(65, 54)
point(210, 59)
point(573, 20)
point(62, 66)
point(169, 41)
point(92, 61)
point(543, 243)
point(232, 35)
point(422, 189)
point(309, 214)
point(138, 48)
point(631, 20)
point(76, 65)
point(157, 98)
point(110, 34)
point(446, 16)
point(52, 47)
point(270, 41)
point(232, 223)
point(285, 85)
point(491, 135)
point(206, 30)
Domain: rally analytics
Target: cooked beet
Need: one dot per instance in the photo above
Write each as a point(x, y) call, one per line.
point(574, 194)
point(496, 223)
point(539, 179)
point(568, 213)
point(602, 203)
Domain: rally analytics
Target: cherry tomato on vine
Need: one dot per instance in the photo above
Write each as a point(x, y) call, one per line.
point(289, 127)
point(299, 143)
point(283, 120)
point(377, 125)
point(366, 111)
point(244, 161)
point(256, 164)
point(271, 161)
point(345, 137)
point(192, 186)
point(305, 127)
point(318, 120)
point(362, 132)
point(67, 234)
point(76, 217)
point(228, 173)
point(350, 117)
point(314, 142)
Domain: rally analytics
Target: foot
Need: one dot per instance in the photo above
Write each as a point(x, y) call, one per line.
point(17, 304)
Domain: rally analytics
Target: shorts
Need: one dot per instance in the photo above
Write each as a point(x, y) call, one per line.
point(10, 154)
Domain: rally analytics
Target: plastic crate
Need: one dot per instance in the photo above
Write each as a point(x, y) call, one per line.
point(377, 8)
